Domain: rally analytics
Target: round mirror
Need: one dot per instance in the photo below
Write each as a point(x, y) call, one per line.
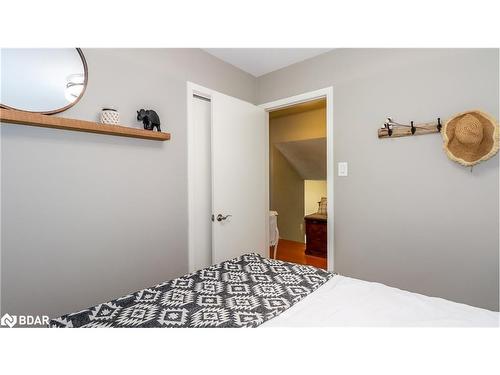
point(42, 80)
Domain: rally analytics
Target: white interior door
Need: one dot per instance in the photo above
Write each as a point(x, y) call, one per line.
point(239, 201)
point(201, 183)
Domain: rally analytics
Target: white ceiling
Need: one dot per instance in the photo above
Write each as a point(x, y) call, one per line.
point(260, 61)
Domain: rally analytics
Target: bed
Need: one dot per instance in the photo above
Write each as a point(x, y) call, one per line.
point(253, 291)
point(344, 301)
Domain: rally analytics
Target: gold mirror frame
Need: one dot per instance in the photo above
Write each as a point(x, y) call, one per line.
point(85, 80)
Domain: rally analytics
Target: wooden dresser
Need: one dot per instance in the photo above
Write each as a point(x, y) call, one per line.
point(316, 240)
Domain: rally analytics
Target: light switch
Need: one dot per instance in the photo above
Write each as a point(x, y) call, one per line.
point(342, 169)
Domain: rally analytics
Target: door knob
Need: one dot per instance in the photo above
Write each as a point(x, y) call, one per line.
point(221, 217)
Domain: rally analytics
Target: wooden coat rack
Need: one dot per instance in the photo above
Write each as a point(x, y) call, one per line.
point(393, 129)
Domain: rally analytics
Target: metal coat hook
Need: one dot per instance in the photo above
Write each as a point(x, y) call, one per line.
point(388, 126)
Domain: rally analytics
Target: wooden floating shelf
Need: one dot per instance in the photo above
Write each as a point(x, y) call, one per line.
point(35, 119)
point(420, 129)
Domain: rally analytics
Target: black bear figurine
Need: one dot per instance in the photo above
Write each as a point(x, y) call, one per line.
point(149, 118)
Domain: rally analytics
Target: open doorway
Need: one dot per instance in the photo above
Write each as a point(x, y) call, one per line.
point(298, 187)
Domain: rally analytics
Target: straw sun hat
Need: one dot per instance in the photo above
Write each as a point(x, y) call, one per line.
point(471, 137)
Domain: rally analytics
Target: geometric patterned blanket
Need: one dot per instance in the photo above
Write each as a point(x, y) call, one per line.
point(242, 292)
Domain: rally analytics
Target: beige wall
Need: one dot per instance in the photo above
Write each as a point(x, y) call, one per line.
point(299, 126)
point(406, 215)
point(286, 186)
point(314, 190)
point(288, 199)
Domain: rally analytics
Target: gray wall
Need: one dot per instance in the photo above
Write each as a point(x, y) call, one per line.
point(85, 217)
point(407, 216)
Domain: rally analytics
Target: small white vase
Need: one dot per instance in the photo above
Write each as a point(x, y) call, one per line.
point(110, 116)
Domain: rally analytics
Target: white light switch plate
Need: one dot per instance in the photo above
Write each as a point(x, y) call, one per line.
point(342, 169)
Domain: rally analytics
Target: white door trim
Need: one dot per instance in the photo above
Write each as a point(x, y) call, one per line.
point(191, 89)
point(330, 163)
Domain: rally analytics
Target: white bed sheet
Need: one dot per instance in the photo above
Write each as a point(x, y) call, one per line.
point(344, 301)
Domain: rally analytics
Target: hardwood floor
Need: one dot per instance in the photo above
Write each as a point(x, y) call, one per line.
point(291, 251)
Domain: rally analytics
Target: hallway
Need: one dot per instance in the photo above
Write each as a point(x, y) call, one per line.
point(292, 251)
